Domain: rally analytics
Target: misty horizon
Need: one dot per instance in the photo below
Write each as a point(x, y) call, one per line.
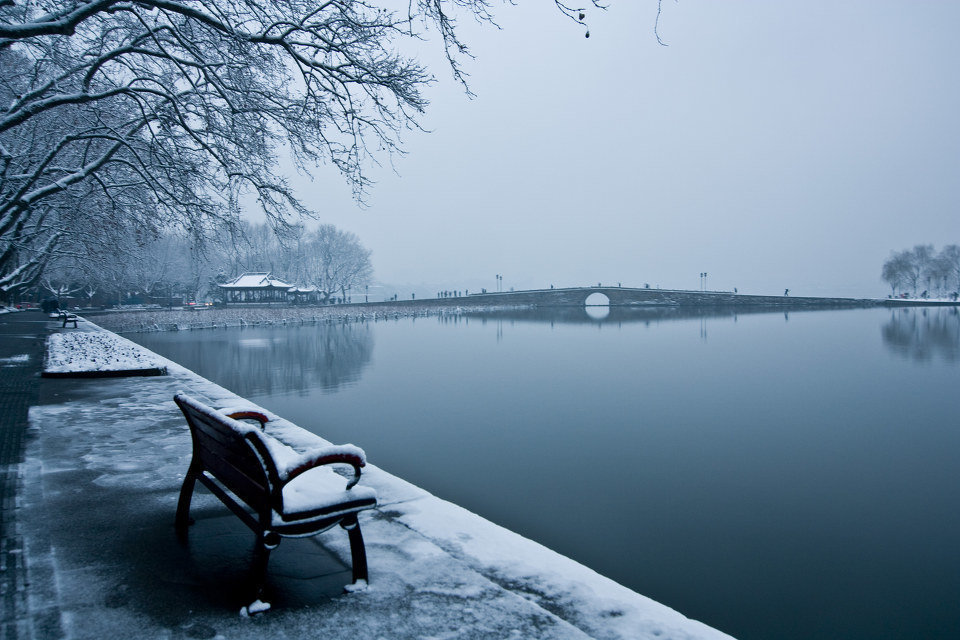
point(771, 146)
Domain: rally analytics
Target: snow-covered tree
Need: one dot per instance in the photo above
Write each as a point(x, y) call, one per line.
point(64, 175)
point(293, 242)
point(912, 269)
point(949, 264)
point(336, 261)
point(181, 106)
point(60, 284)
point(895, 270)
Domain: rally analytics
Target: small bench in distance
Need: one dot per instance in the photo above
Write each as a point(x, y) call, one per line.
point(273, 489)
point(66, 316)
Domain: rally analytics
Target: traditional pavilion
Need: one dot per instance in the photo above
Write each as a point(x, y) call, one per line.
point(304, 295)
point(255, 288)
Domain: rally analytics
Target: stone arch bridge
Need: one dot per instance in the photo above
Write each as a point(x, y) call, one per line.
point(628, 296)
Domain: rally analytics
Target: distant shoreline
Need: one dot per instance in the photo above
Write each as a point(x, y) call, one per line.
point(149, 320)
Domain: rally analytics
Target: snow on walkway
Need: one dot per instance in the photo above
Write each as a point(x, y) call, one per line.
point(96, 351)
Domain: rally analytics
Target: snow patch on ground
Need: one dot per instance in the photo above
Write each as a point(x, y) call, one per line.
point(356, 587)
point(83, 351)
point(254, 608)
point(15, 360)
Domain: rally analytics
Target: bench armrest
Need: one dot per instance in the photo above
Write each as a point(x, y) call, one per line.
point(248, 412)
point(337, 454)
point(249, 415)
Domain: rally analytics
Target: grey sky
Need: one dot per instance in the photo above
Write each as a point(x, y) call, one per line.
point(771, 144)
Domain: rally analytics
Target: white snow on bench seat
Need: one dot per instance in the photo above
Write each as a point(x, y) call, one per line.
point(320, 489)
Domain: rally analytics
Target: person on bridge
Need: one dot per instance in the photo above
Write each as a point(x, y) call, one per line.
point(786, 292)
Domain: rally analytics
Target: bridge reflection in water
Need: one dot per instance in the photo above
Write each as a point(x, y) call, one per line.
point(618, 315)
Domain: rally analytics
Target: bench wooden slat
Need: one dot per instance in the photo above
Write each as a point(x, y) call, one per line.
point(240, 455)
point(245, 487)
point(217, 431)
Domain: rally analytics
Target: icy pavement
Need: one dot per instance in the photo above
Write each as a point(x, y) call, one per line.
point(101, 477)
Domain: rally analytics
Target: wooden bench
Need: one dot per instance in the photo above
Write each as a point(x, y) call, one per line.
point(66, 316)
point(272, 488)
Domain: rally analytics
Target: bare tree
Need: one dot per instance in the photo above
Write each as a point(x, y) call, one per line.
point(336, 261)
point(293, 242)
point(895, 270)
point(61, 281)
point(949, 261)
point(911, 268)
point(921, 261)
point(153, 264)
point(55, 181)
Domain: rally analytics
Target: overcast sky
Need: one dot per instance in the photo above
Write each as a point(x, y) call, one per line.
point(771, 145)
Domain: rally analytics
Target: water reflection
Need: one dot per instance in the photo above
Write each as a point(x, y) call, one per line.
point(617, 315)
point(920, 334)
point(767, 475)
point(263, 361)
point(599, 312)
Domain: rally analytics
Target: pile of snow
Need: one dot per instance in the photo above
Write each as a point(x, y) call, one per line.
point(87, 351)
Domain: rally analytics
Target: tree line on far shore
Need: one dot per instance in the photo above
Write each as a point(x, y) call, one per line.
point(173, 268)
point(923, 272)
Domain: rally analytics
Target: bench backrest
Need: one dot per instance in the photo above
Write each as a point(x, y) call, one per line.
point(231, 451)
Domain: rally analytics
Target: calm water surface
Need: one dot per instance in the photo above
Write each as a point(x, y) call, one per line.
point(773, 475)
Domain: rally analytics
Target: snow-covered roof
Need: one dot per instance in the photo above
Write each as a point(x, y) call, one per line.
point(303, 289)
point(260, 280)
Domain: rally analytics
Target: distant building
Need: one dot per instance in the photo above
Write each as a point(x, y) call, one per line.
point(256, 288)
point(304, 295)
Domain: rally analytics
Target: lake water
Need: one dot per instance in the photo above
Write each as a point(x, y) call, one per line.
point(775, 475)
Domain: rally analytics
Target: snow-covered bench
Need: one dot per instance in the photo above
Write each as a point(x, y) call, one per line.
point(66, 316)
point(272, 488)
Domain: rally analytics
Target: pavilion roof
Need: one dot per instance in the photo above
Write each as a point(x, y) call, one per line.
point(259, 280)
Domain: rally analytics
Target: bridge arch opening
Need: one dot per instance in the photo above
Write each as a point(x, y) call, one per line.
point(597, 306)
point(597, 300)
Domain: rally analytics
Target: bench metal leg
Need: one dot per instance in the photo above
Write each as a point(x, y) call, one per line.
point(183, 506)
point(358, 552)
point(266, 542)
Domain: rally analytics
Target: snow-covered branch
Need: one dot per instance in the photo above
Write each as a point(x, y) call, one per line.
point(184, 105)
